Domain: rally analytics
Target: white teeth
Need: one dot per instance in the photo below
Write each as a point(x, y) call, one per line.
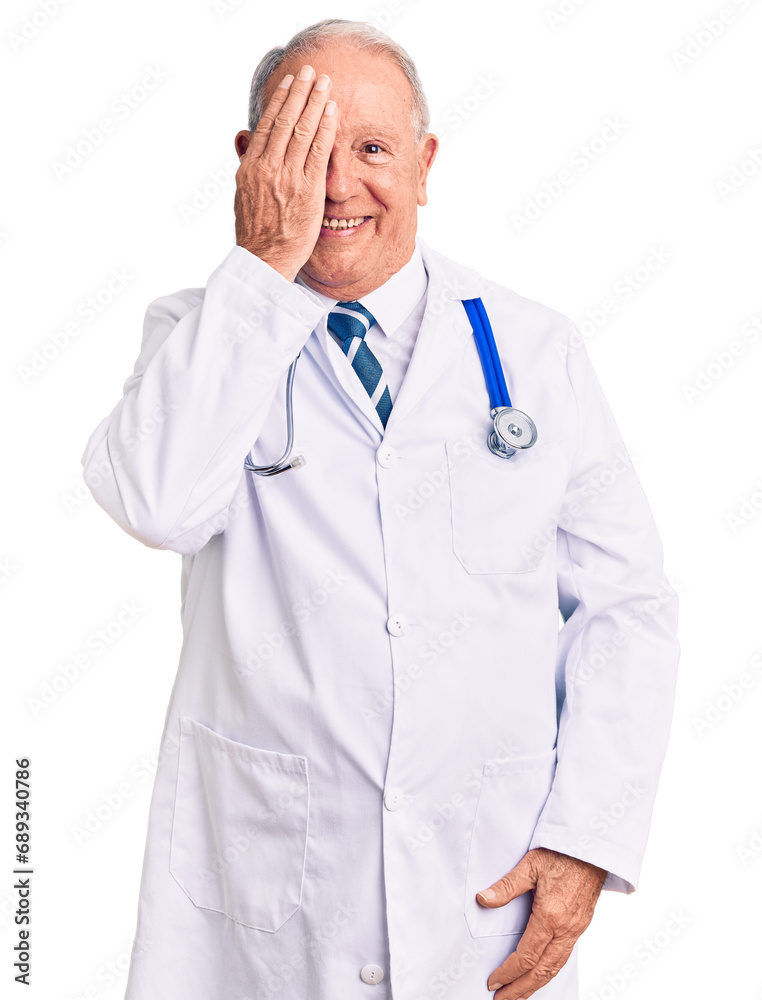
point(342, 223)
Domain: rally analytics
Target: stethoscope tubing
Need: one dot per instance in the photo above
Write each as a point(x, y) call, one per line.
point(485, 343)
point(494, 377)
point(503, 399)
point(282, 464)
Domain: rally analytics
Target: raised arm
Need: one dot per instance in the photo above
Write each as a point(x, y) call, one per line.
point(166, 461)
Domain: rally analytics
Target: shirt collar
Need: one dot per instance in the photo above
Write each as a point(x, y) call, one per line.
point(393, 301)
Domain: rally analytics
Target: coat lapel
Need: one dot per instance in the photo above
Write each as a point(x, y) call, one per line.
point(344, 380)
point(444, 331)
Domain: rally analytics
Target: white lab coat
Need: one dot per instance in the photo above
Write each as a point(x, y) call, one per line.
point(375, 714)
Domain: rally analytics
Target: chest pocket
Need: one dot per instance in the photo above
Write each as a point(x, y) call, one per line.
point(504, 512)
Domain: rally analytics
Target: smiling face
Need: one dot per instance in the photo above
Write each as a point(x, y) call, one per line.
point(376, 172)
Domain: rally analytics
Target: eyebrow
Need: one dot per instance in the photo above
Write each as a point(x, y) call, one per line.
point(368, 126)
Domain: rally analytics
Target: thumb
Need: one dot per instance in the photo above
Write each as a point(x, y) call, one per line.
point(514, 883)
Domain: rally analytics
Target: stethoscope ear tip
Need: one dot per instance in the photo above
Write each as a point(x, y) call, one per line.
point(296, 463)
point(273, 470)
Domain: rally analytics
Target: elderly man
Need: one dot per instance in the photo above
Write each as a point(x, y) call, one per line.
point(390, 767)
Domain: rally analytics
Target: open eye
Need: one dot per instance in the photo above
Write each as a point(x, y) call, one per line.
point(372, 147)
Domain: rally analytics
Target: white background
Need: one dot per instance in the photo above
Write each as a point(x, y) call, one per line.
point(554, 82)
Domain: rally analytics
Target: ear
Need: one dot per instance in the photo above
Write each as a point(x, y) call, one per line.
point(241, 142)
point(425, 153)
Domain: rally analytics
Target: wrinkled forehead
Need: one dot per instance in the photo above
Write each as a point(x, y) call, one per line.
point(370, 88)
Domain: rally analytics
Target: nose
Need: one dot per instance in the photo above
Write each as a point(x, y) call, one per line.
point(342, 179)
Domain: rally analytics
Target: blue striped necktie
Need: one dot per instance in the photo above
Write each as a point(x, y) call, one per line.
point(350, 321)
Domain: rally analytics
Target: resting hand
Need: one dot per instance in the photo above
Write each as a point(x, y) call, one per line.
point(565, 893)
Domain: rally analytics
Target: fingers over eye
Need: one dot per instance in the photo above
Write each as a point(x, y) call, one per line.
point(261, 134)
point(294, 111)
point(311, 119)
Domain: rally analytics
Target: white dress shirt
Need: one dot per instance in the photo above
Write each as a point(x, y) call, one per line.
point(397, 307)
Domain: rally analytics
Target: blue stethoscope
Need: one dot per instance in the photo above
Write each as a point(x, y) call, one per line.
point(513, 430)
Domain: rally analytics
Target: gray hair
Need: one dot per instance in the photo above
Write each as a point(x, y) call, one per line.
point(364, 36)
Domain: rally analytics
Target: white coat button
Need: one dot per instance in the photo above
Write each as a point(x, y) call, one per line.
point(386, 456)
point(371, 974)
point(393, 799)
point(397, 625)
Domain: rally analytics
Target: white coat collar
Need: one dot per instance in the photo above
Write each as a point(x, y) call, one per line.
point(392, 302)
point(444, 331)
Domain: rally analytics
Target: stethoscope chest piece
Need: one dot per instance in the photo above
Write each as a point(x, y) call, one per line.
point(513, 430)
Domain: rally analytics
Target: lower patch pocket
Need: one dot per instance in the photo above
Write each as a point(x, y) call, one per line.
point(239, 833)
point(511, 798)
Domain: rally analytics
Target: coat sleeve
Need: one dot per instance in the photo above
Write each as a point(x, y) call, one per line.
point(166, 462)
point(617, 649)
